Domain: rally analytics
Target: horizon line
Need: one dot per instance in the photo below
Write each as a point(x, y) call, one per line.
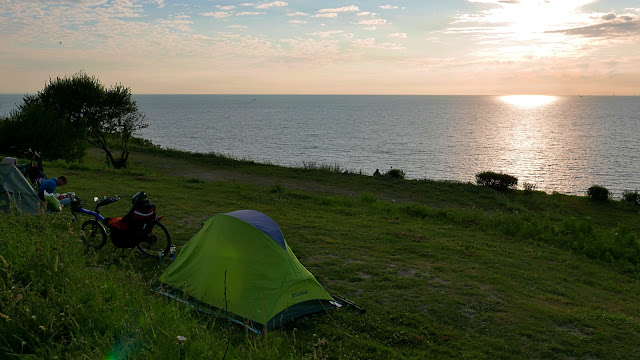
point(339, 94)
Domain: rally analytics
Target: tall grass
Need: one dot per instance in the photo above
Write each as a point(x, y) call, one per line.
point(60, 300)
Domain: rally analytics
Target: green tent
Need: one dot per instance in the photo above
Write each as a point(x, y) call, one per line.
point(242, 257)
point(16, 193)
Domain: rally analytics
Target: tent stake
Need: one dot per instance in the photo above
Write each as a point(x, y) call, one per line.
point(347, 301)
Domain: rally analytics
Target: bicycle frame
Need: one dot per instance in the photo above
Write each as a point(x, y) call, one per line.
point(95, 212)
point(88, 212)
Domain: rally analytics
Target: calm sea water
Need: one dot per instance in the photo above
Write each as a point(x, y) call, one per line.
point(563, 144)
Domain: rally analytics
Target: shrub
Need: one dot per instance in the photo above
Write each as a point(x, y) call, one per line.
point(529, 187)
point(498, 181)
point(395, 174)
point(632, 197)
point(598, 193)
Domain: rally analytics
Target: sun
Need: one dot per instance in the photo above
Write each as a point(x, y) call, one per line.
point(531, 29)
point(528, 101)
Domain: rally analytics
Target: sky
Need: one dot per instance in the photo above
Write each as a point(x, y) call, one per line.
point(443, 47)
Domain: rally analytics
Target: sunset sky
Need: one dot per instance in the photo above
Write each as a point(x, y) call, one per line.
point(553, 47)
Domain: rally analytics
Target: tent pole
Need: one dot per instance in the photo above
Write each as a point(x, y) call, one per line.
point(347, 301)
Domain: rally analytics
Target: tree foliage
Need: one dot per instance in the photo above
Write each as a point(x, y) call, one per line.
point(598, 193)
point(39, 128)
point(71, 111)
point(498, 181)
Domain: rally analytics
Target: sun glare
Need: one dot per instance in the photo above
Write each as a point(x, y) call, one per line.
point(528, 101)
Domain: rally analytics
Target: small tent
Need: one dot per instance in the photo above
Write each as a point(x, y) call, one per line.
point(16, 193)
point(240, 263)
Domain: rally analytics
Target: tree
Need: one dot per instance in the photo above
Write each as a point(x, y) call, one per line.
point(100, 116)
point(119, 120)
point(39, 128)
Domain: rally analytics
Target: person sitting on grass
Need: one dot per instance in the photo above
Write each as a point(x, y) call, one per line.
point(49, 187)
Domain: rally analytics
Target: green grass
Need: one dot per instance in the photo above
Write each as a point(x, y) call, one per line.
point(444, 269)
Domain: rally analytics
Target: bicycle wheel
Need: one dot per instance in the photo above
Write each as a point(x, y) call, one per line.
point(158, 240)
point(93, 234)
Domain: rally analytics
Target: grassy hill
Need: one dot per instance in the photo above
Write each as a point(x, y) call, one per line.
point(444, 269)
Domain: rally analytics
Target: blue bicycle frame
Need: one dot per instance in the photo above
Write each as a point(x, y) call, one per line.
point(89, 212)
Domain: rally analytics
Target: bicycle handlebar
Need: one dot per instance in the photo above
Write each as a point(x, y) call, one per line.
point(107, 201)
point(76, 202)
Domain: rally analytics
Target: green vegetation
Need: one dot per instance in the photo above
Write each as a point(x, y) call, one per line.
point(395, 174)
point(69, 114)
point(444, 269)
point(496, 181)
point(598, 193)
point(632, 197)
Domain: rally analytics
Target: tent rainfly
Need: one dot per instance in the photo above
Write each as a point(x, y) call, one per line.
point(16, 193)
point(239, 263)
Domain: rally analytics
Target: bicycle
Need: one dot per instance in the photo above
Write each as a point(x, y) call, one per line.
point(143, 237)
point(34, 173)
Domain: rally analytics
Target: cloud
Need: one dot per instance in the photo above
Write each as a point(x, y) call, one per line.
point(325, 34)
point(250, 13)
point(297, 22)
point(217, 14)
point(226, 7)
point(366, 13)
point(371, 43)
point(325, 15)
point(271, 4)
point(181, 25)
point(546, 24)
point(86, 2)
point(237, 26)
point(619, 27)
point(398, 35)
point(372, 22)
point(350, 8)
point(297, 13)
point(389, 7)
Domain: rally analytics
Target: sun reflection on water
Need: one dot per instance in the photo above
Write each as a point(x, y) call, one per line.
point(528, 101)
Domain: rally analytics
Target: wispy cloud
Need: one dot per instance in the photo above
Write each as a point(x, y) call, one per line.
point(614, 27)
point(271, 4)
point(372, 22)
point(350, 8)
point(217, 14)
point(325, 15)
point(250, 13)
point(398, 35)
point(528, 29)
point(315, 44)
point(326, 33)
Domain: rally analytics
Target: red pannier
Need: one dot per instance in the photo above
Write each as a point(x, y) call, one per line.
point(134, 227)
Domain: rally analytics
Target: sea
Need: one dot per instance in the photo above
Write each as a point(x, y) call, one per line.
point(559, 144)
